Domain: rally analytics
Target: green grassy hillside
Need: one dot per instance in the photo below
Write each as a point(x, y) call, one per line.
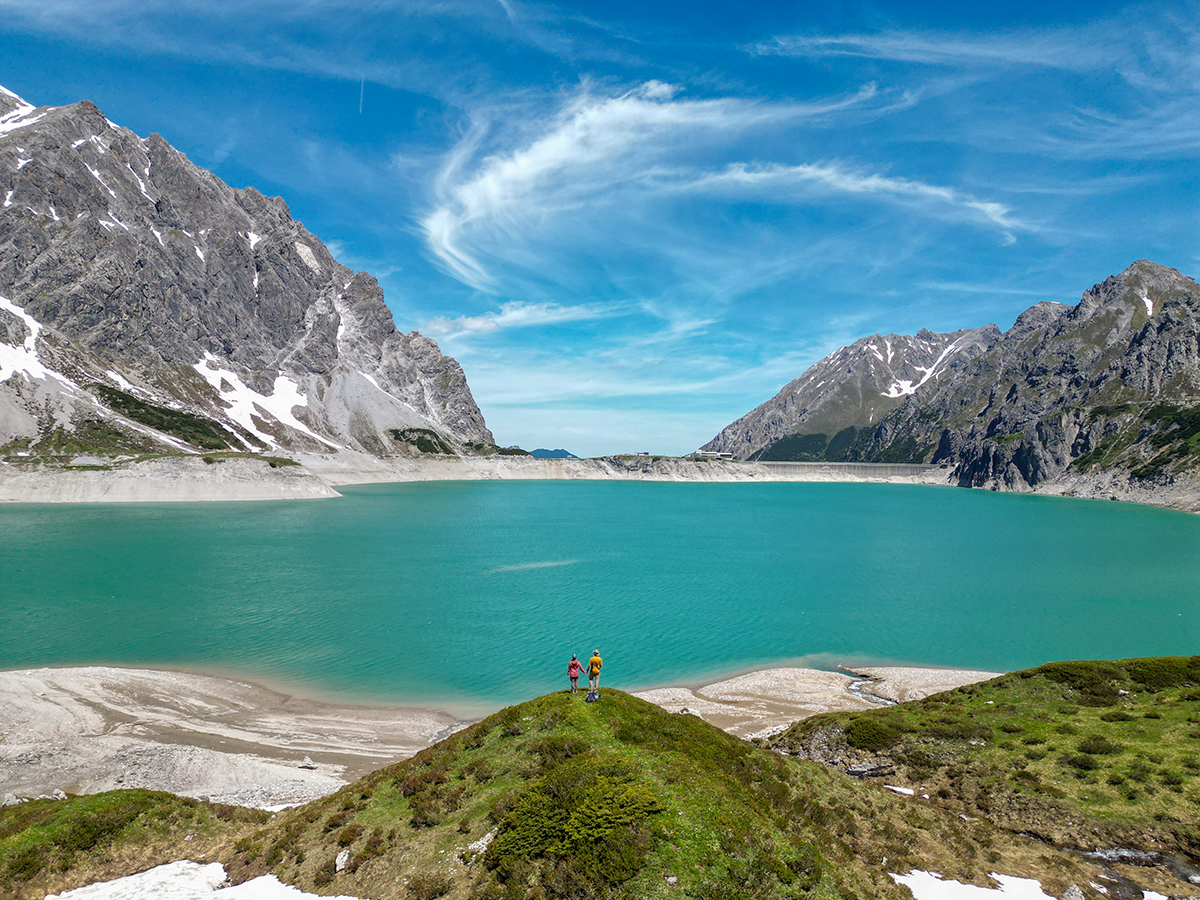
point(614, 800)
point(1085, 754)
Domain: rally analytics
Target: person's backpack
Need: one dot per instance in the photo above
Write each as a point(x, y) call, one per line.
point(592, 697)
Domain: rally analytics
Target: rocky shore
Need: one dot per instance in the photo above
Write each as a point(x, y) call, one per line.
point(215, 477)
point(96, 728)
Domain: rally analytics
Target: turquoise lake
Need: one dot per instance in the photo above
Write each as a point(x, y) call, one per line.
point(472, 594)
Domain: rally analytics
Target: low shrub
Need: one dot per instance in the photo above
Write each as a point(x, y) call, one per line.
point(870, 733)
point(1159, 672)
point(1084, 762)
point(1100, 745)
point(1091, 684)
point(429, 886)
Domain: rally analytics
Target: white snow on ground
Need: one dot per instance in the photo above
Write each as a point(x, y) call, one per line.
point(79, 143)
point(902, 387)
point(8, 199)
point(908, 792)
point(141, 184)
point(54, 214)
point(18, 118)
point(252, 238)
point(306, 254)
point(1145, 299)
point(96, 175)
point(875, 350)
point(22, 163)
point(930, 886)
point(186, 880)
point(25, 357)
point(158, 234)
point(246, 402)
point(199, 253)
point(116, 376)
point(888, 344)
point(95, 139)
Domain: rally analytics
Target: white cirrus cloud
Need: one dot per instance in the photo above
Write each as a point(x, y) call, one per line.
point(1032, 49)
point(581, 157)
point(519, 315)
point(777, 180)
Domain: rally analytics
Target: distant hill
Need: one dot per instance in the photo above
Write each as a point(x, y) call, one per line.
point(558, 798)
point(553, 454)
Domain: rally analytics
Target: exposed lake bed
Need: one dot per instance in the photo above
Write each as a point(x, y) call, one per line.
point(98, 728)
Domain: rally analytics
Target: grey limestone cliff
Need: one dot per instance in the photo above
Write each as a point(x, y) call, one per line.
point(145, 304)
point(1109, 384)
point(1101, 398)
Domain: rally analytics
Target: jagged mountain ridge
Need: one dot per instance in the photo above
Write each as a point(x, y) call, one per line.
point(1110, 385)
point(851, 388)
point(131, 276)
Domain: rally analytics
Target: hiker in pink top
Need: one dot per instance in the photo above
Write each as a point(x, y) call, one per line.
point(574, 667)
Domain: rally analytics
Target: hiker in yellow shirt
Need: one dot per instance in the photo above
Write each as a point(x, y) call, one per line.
point(594, 665)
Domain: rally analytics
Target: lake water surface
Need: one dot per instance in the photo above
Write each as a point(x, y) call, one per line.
point(471, 594)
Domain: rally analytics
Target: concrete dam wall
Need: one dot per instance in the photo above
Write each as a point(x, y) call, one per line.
point(849, 469)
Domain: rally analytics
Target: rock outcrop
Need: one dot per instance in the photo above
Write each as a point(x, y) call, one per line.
point(147, 305)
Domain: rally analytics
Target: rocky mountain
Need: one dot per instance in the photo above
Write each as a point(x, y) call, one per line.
point(1110, 386)
point(147, 305)
point(819, 415)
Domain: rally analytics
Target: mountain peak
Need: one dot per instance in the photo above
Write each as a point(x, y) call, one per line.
point(216, 304)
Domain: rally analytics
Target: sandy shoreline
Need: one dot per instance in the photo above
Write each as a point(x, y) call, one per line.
point(97, 728)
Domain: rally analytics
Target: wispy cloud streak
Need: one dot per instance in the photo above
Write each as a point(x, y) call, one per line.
point(603, 153)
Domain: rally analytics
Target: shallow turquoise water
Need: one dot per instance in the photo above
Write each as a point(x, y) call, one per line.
point(470, 594)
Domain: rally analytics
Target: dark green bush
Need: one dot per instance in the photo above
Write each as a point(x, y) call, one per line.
point(1091, 683)
point(587, 817)
point(870, 733)
point(429, 885)
point(1099, 744)
point(1083, 761)
point(1159, 672)
point(25, 864)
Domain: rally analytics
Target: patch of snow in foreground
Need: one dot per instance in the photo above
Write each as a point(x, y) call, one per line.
point(900, 790)
point(930, 886)
point(185, 880)
point(1145, 299)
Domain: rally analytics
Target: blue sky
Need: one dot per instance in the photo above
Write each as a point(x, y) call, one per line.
point(633, 222)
